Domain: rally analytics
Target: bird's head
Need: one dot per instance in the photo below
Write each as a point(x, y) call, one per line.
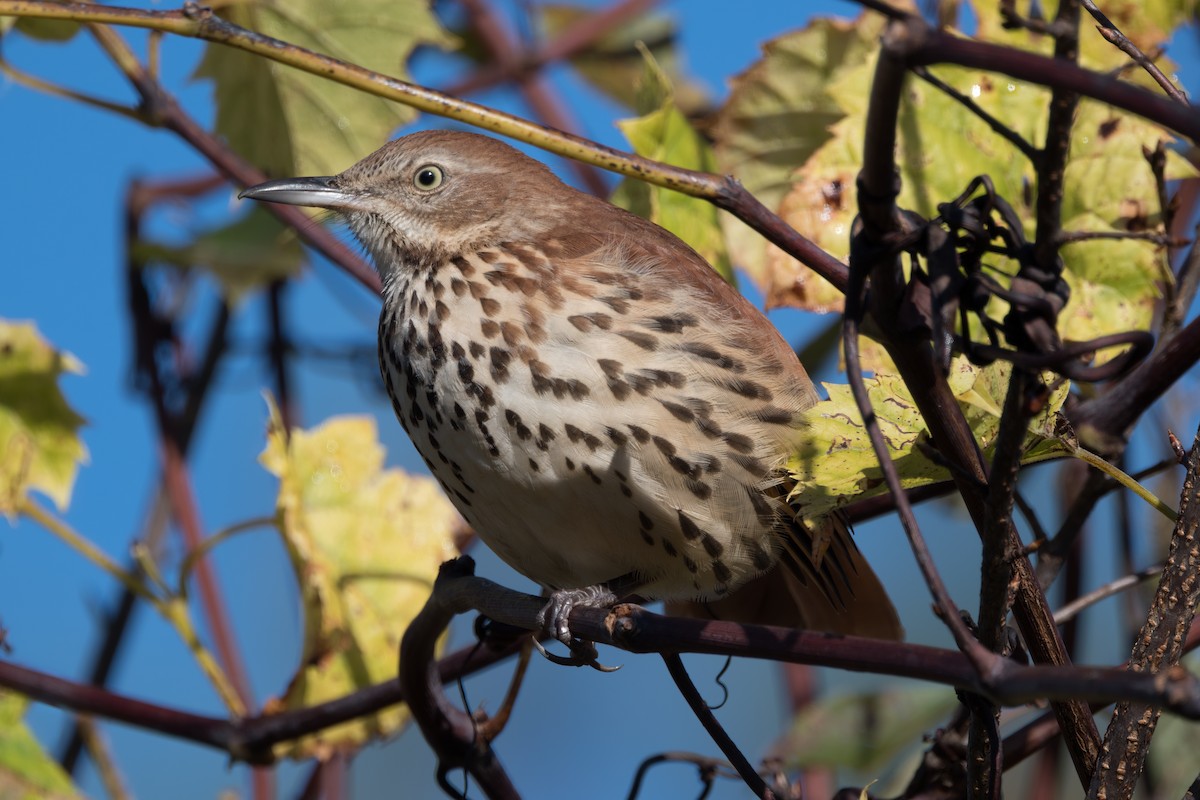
point(430, 195)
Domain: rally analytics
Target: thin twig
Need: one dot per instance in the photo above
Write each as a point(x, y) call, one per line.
point(1113, 35)
point(716, 732)
point(1008, 134)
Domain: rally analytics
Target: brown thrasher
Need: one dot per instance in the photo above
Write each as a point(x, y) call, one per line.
point(606, 411)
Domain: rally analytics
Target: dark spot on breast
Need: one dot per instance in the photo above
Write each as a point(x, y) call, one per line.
point(587, 469)
point(645, 521)
point(639, 433)
point(690, 564)
point(458, 411)
point(476, 350)
point(748, 389)
point(462, 497)
point(669, 548)
point(490, 307)
point(533, 465)
point(489, 328)
point(457, 352)
point(458, 286)
point(774, 415)
point(645, 341)
point(647, 538)
point(711, 545)
point(718, 358)
point(440, 311)
point(751, 464)
point(488, 256)
point(691, 531)
point(500, 358)
point(721, 571)
point(739, 442)
point(669, 324)
point(466, 372)
point(512, 333)
point(463, 266)
point(617, 437)
point(570, 464)
point(760, 558)
point(700, 489)
point(544, 436)
point(679, 412)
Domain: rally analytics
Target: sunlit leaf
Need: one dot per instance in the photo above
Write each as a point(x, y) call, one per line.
point(27, 772)
point(663, 133)
point(366, 544)
point(614, 64)
point(242, 256)
point(778, 113)
point(40, 448)
point(836, 465)
point(864, 732)
point(289, 122)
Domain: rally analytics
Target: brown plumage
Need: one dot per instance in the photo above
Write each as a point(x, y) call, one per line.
point(598, 403)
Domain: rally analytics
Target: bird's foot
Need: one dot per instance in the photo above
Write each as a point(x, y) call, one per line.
point(555, 621)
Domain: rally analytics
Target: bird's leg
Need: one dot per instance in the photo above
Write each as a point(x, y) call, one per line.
point(555, 620)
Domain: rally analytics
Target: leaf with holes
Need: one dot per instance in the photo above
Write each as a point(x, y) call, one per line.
point(289, 122)
point(366, 544)
point(40, 448)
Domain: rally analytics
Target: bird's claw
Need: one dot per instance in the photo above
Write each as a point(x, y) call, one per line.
point(555, 621)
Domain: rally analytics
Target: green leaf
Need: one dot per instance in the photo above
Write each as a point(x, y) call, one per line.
point(27, 772)
point(366, 544)
point(289, 122)
point(46, 30)
point(835, 465)
point(663, 133)
point(614, 63)
point(245, 255)
point(864, 732)
point(778, 113)
point(40, 448)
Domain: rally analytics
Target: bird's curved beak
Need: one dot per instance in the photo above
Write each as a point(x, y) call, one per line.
point(318, 192)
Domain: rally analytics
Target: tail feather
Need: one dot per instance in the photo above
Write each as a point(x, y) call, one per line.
point(837, 593)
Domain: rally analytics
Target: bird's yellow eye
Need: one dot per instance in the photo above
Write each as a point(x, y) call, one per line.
point(428, 177)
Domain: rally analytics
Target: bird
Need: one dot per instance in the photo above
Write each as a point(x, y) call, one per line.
point(609, 414)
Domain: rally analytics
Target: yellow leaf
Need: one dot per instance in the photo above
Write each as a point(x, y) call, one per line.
point(836, 466)
point(40, 448)
point(26, 770)
point(366, 544)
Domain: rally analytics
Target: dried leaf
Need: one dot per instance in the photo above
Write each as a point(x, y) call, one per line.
point(366, 544)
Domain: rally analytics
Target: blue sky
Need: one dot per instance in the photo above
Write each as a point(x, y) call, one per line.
point(65, 170)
